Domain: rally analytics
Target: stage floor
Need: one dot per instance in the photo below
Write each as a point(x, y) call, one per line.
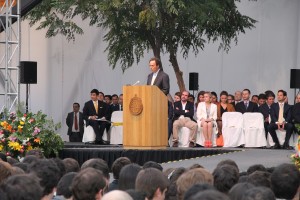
point(82, 152)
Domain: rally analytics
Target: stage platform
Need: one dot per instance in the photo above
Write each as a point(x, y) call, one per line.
point(82, 152)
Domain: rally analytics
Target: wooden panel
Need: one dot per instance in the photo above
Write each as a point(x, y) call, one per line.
point(149, 130)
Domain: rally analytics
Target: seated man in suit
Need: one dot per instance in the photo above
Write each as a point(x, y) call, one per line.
point(158, 77)
point(281, 119)
point(93, 111)
point(265, 110)
point(75, 124)
point(115, 106)
point(183, 117)
point(237, 97)
point(246, 105)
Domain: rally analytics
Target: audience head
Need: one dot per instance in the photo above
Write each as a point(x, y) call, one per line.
point(260, 178)
point(152, 164)
point(108, 99)
point(192, 177)
point(256, 167)
point(197, 188)
point(76, 107)
point(200, 97)
point(5, 171)
point(214, 97)
point(94, 94)
point(285, 181)
point(97, 163)
point(269, 93)
point(121, 99)
point(209, 195)
point(254, 99)
point(270, 98)
point(261, 99)
point(225, 177)
point(71, 165)
point(117, 195)
point(184, 96)
point(230, 98)
point(35, 152)
point(22, 166)
point(101, 96)
point(16, 170)
point(118, 164)
point(48, 174)
point(258, 193)
point(238, 96)
point(207, 97)
point(115, 99)
point(89, 183)
point(177, 96)
point(22, 187)
point(246, 94)
point(223, 97)
point(238, 190)
point(228, 162)
point(127, 176)
point(153, 182)
point(191, 98)
point(194, 166)
point(3, 157)
point(173, 176)
point(64, 185)
point(12, 161)
point(281, 96)
point(297, 99)
point(154, 64)
point(60, 164)
point(136, 195)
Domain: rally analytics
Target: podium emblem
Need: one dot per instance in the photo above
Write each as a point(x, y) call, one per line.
point(136, 106)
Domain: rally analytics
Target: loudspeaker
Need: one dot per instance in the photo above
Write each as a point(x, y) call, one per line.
point(28, 72)
point(193, 81)
point(295, 78)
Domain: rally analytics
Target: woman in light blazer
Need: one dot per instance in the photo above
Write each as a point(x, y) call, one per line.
point(207, 116)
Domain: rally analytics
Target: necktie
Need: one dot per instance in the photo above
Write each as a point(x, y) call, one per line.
point(76, 122)
point(246, 104)
point(153, 79)
point(280, 117)
point(96, 106)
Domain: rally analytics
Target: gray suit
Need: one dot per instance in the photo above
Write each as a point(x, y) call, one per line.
point(162, 81)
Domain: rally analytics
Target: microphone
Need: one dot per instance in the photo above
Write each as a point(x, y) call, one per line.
point(136, 83)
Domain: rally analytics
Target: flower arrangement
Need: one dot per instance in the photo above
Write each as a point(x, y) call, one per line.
point(21, 132)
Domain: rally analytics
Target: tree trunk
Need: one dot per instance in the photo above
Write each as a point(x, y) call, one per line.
point(178, 73)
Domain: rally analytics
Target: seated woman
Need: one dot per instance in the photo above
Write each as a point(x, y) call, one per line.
point(296, 114)
point(177, 96)
point(223, 106)
point(207, 115)
point(200, 98)
point(214, 98)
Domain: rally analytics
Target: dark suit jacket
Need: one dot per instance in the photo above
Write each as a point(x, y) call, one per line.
point(240, 107)
point(89, 110)
point(296, 113)
point(264, 110)
point(178, 110)
point(275, 112)
point(69, 122)
point(162, 81)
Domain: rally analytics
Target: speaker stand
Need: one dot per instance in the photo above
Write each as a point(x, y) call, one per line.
point(27, 86)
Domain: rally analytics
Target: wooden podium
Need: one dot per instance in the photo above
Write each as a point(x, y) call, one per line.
point(145, 117)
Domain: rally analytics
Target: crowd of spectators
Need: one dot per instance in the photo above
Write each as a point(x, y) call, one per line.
point(38, 178)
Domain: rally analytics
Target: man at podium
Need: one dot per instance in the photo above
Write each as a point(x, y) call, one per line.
point(158, 77)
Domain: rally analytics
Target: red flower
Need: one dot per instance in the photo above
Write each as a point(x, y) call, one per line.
point(25, 115)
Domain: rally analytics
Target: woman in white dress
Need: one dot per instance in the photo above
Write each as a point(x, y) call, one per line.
point(207, 116)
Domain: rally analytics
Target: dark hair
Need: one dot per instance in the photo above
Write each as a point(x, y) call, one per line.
point(22, 166)
point(60, 164)
point(5, 171)
point(214, 94)
point(231, 96)
point(269, 93)
point(192, 96)
point(34, 152)
point(196, 165)
point(48, 173)
point(283, 92)
point(22, 187)
point(109, 96)
point(225, 177)
point(152, 164)
point(285, 181)
point(128, 176)
point(101, 93)
point(262, 96)
point(118, 164)
point(97, 163)
point(254, 96)
point(173, 176)
point(247, 90)
point(178, 94)
point(256, 167)
point(197, 188)
point(224, 93)
point(3, 157)
point(63, 186)
point(76, 104)
point(157, 61)
point(258, 193)
point(209, 195)
point(87, 183)
point(114, 95)
point(136, 195)
point(243, 178)
point(228, 162)
point(71, 165)
point(12, 161)
point(260, 178)
point(149, 180)
point(238, 190)
point(95, 91)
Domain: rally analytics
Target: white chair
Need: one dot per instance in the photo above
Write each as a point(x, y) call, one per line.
point(232, 129)
point(254, 130)
point(88, 134)
point(200, 137)
point(116, 129)
point(281, 137)
point(183, 137)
